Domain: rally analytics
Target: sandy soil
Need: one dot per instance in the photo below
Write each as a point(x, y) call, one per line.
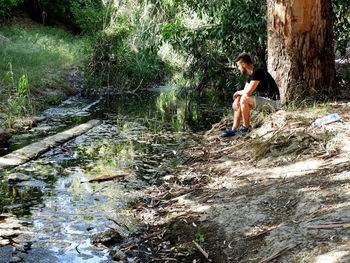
point(279, 194)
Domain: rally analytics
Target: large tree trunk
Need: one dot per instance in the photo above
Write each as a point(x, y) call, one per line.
point(300, 48)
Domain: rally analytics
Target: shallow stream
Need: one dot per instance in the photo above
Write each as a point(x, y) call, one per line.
point(51, 215)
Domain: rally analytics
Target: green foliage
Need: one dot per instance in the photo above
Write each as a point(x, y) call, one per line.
point(200, 237)
point(125, 54)
point(212, 34)
point(16, 94)
point(41, 53)
point(53, 98)
point(7, 5)
point(86, 16)
point(32, 60)
point(202, 38)
point(90, 15)
point(341, 10)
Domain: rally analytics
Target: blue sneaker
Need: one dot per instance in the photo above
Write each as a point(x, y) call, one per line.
point(244, 130)
point(229, 132)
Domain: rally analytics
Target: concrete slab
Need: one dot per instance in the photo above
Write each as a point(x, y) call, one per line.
point(34, 150)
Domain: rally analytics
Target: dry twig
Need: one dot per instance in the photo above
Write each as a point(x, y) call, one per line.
point(164, 259)
point(330, 226)
point(278, 254)
point(106, 178)
point(205, 254)
point(119, 224)
point(261, 234)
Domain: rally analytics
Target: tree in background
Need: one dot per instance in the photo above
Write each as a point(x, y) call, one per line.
point(128, 39)
point(82, 16)
point(210, 33)
point(341, 26)
point(300, 48)
point(7, 5)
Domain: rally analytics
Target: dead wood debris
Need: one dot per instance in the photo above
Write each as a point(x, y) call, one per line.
point(279, 253)
point(119, 224)
point(205, 254)
point(260, 234)
point(105, 178)
point(330, 226)
point(163, 259)
point(279, 139)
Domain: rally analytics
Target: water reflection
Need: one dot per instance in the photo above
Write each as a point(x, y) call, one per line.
point(168, 108)
point(141, 137)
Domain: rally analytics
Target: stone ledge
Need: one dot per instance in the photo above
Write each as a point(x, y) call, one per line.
point(34, 150)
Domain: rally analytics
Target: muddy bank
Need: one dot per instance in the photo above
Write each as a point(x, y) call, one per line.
point(281, 192)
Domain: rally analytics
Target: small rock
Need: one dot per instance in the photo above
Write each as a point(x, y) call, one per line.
point(4, 136)
point(39, 119)
point(23, 248)
point(15, 259)
point(18, 177)
point(4, 242)
point(169, 177)
point(117, 254)
point(106, 237)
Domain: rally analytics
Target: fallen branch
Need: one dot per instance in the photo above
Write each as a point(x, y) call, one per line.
point(242, 143)
point(205, 254)
point(229, 148)
point(278, 254)
point(119, 224)
point(164, 259)
point(154, 234)
point(330, 226)
point(34, 150)
point(261, 234)
point(76, 248)
point(105, 178)
point(278, 131)
point(127, 246)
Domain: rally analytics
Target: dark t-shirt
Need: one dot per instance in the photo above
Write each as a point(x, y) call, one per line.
point(267, 86)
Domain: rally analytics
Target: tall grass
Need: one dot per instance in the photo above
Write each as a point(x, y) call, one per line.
point(18, 101)
point(39, 52)
point(126, 52)
point(34, 59)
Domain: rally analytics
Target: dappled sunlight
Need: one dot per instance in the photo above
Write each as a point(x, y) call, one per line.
point(336, 256)
point(37, 51)
point(297, 206)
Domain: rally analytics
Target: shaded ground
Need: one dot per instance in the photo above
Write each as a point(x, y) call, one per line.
point(282, 191)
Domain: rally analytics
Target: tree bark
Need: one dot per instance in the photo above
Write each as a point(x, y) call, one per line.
point(300, 48)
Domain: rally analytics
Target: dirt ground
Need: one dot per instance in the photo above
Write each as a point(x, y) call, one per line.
point(279, 194)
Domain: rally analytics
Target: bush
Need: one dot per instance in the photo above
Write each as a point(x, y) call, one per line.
point(33, 61)
point(341, 27)
point(7, 5)
point(207, 34)
point(125, 54)
point(91, 16)
point(212, 34)
point(15, 97)
point(83, 16)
